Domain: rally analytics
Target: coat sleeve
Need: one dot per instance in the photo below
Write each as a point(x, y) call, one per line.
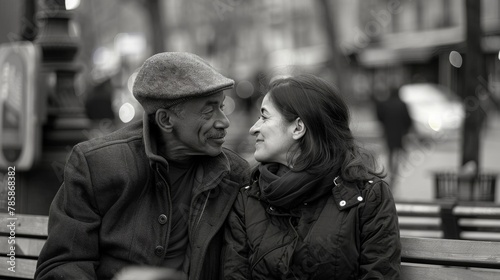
point(236, 250)
point(380, 255)
point(72, 249)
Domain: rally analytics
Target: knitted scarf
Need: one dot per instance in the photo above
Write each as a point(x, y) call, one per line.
point(287, 189)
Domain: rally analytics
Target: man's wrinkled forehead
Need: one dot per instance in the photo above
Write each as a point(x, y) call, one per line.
point(214, 99)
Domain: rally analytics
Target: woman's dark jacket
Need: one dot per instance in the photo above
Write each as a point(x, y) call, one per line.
point(351, 233)
point(113, 209)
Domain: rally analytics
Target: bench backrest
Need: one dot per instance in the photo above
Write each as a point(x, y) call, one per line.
point(443, 219)
point(26, 234)
point(441, 259)
point(420, 219)
point(478, 222)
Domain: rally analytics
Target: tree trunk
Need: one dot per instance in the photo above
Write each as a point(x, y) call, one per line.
point(474, 70)
point(156, 23)
point(336, 63)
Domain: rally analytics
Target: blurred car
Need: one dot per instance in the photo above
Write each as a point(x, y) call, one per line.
point(436, 111)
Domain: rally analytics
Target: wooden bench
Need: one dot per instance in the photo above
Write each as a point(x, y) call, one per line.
point(443, 259)
point(422, 258)
point(30, 232)
point(450, 220)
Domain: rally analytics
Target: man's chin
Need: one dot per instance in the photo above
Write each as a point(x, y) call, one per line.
point(214, 151)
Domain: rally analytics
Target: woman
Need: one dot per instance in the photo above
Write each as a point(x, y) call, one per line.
point(317, 208)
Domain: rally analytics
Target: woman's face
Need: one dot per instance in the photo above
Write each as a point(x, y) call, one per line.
point(273, 134)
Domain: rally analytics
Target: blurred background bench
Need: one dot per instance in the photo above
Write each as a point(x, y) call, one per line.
point(450, 220)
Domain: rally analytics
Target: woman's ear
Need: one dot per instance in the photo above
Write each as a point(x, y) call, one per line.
point(163, 118)
point(299, 129)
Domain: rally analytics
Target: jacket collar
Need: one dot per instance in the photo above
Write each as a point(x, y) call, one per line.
point(346, 194)
point(210, 171)
point(150, 144)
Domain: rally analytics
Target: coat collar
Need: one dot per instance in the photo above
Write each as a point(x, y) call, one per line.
point(346, 194)
point(150, 144)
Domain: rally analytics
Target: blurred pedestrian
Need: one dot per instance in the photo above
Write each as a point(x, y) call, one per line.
point(155, 193)
point(395, 118)
point(316, 208)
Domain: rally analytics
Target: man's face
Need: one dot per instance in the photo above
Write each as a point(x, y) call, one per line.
point(201, 127)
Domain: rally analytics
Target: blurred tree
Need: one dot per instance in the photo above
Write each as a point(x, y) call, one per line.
point(474, 71)
point(336, 62)
point(28, 26)
point(158, 35)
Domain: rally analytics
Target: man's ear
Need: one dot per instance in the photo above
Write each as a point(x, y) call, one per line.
point(299, 129)
point(163, 118)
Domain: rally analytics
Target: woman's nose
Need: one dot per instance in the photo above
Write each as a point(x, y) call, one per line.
point(255, 128)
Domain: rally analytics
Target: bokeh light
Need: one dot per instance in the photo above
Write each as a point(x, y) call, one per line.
point(244, 89)
point(131, 80)
point(126, 112)
point(229, 105)
point(72, 4)
point(435, 122)
point(456, 59)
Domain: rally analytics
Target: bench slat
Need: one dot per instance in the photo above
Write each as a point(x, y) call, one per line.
point(478, 211)
point(25, 269)
point(484, 236)
point(451, 252)
point(421, 233)
point(479, 222)
point(420, 209)
point(24, 246)
point(25, 224)
point(410, 272)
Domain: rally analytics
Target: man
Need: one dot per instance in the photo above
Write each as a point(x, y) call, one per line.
point(156, 192)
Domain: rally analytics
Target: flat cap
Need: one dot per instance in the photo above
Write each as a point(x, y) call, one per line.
point(169, 78)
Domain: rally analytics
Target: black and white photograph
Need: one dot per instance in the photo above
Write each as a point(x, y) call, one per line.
point(249, 140)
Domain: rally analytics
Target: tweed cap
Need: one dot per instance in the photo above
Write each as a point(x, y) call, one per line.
point(169, 78)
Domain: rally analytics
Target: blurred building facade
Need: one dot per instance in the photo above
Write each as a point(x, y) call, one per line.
point(398, 42)
point(382, 43)
point(386, 42)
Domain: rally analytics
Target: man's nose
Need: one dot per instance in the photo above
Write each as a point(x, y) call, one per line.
point(222, 121)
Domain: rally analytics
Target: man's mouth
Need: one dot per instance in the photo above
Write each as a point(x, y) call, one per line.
point(217, 138)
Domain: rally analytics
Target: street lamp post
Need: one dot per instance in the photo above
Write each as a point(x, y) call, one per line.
point(65, 113)
point(61, 112)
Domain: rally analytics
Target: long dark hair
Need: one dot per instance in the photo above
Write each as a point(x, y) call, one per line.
point(328, 144)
